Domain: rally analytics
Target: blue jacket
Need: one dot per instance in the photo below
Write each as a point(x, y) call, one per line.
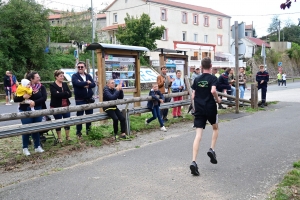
point(80, 92)
point(223, 79)
point(177, 83)
point(111, 94)
point(262, 76)
point(153, 93)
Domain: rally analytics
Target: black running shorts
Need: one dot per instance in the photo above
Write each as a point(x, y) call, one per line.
point(200, 120)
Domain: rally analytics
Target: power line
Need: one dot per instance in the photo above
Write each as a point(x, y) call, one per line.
point(266, 14)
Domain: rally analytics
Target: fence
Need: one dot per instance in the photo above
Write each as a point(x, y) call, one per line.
point(49, 125)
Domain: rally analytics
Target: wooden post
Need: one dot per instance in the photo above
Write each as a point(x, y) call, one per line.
point(137, 79)
point(87, 63)
point(162, 62)
point(254, 96)
point(127, 119)
point(101, 74)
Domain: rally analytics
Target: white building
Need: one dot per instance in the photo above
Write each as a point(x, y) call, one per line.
point(198, 30)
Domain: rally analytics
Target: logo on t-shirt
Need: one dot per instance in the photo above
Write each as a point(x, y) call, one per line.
point(203, 84)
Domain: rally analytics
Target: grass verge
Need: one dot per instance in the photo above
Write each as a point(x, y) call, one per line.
point(289, 188)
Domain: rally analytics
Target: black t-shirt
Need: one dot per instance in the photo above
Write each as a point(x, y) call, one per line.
point(204, 101)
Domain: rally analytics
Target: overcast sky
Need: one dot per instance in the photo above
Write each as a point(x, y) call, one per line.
point(258, 11)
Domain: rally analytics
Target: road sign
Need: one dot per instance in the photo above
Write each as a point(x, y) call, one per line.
point(242, 48)
point(279, 64)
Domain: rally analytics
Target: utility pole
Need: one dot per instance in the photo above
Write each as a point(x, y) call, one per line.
point(278, 30)
point(93, 35)
point(236, 41)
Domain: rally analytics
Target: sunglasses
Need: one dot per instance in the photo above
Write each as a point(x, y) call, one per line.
point(80, 67)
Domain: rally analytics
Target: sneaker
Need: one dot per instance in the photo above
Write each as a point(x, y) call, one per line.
point(11, 101)
point(213, 157)
point(262, 105)
point(8, 104)
point(26, 152)
point(165, 119)
point(146, 122)
point(194, 169)
point(163, 129)
point(39, 149)
point(221, 107)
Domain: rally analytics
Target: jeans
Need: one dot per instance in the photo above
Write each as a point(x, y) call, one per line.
point(164, 112)
point(233, 91)
point(116, 115)
point(35, 136)
point(279, 81)
point(242, 91)
point(283, 82)
point(80, 113)
point(61, 116)
point(156, 114)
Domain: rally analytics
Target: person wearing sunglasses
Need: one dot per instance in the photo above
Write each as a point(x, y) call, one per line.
point(83, 84)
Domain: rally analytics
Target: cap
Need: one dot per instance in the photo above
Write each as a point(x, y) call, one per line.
point(25, 82)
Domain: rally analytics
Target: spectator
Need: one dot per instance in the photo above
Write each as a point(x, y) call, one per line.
point(38, 99)
point(7, 87)
point(195, 74)
point(83, 84)
point(164, 83)
point(283, 79)
point(14, 86)
point(25, 88)
point(262, 78)
point(96, 93)
point(154, 106)
point(60, 94)
point(177, 86)
point(231, 80)
point(111, 92)
point(242, 82)
point(223, 85)
point(214, 72)
point(205, 97)
point(279, 78)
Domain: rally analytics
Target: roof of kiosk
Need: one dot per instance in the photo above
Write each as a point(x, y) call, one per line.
point(163, 50)
point(95, 46)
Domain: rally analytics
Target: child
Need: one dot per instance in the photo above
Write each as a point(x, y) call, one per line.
point(25, 88)
point(154, 106)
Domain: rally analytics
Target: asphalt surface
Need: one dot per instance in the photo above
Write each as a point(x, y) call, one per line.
point(254, 152)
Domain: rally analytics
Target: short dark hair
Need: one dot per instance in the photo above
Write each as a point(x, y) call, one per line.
point(57, 73)
point(206, 63)
point(81, 62)
point(163, 67)
point(178, 71)
point(30, 75)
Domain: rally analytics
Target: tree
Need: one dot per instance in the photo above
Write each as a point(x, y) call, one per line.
point(294, 54)
point(273, 27)
point(139, 32)
point(24, 30)
point(291, 34)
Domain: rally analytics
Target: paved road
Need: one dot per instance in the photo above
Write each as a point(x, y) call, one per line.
point(254, 152)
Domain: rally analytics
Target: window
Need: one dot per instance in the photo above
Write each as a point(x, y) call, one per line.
point(184, 17)
point(165, 35)
point(163, 14)
point(206, 21)
point(205, 38)
point(115, 17)
point(246, 33)
point(195, 19)
point(219, 23)
point(183, 36)
point(219, 42)
point(195, 37)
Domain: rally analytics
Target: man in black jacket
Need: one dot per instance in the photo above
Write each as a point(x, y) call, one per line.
point(111, 92)
point(83, 84)
point(7, 86)
point(262, 78)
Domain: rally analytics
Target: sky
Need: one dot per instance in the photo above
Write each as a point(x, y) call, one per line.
point(258, 11)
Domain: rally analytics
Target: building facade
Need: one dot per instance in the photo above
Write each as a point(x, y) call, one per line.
point(197, 30)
